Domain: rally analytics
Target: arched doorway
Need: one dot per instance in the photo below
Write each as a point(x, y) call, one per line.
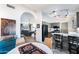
point(28, 26)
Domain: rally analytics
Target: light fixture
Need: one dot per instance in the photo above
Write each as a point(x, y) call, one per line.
point(59, 13)
point(10, 6)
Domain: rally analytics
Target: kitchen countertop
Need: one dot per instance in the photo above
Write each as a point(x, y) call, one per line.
point(64, 34)
point(68, 34)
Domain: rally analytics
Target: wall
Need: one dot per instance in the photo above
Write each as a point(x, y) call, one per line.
point(39, 30)
point(72, 23)
point(6, 12)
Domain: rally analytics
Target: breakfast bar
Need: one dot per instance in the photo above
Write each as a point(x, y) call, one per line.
point(68, 42)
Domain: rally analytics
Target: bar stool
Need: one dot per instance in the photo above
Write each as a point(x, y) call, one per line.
point(58, 41)
point(73, 44)
point(78, 47)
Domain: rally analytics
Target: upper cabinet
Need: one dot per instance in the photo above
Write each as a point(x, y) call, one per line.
point(77, 14)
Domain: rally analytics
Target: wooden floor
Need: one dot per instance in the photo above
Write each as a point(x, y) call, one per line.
point(23, 40)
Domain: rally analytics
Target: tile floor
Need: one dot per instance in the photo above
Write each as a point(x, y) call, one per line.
point(57, 51)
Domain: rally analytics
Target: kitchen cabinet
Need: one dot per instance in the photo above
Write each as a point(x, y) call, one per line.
point(64, 27)
point(77, 15)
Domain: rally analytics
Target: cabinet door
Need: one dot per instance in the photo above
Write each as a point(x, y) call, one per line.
point(77, 19)
point(64, 27)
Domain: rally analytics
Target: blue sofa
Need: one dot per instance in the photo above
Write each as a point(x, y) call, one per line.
point(7, 44)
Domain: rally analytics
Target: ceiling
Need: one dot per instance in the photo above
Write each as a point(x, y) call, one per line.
point(37, 7)
point(48, 8)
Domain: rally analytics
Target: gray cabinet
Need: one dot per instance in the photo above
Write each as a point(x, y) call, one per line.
point(77, 14)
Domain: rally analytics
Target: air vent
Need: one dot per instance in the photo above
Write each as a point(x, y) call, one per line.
point(10, 6)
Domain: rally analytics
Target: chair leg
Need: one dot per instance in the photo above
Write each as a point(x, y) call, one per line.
point(55, 45)
point(77, 51)
point(61, 45)
point(69, 51)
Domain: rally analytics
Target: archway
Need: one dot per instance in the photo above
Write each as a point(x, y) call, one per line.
point(28, 24)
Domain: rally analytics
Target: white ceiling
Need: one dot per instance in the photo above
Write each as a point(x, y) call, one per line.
point(38, 7)
point(48, 8)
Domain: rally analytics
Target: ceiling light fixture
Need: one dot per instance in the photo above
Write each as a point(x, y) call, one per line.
point(60, 13)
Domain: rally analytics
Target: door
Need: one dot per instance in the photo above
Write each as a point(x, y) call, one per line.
point(44, 31)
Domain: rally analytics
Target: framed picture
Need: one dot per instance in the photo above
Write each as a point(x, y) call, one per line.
point(38, 25)
point(8, 27)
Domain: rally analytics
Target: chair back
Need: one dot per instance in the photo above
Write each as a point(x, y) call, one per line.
point(48, 42)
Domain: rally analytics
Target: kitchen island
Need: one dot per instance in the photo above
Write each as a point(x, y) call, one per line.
point(70, 41)
point(68, 34)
